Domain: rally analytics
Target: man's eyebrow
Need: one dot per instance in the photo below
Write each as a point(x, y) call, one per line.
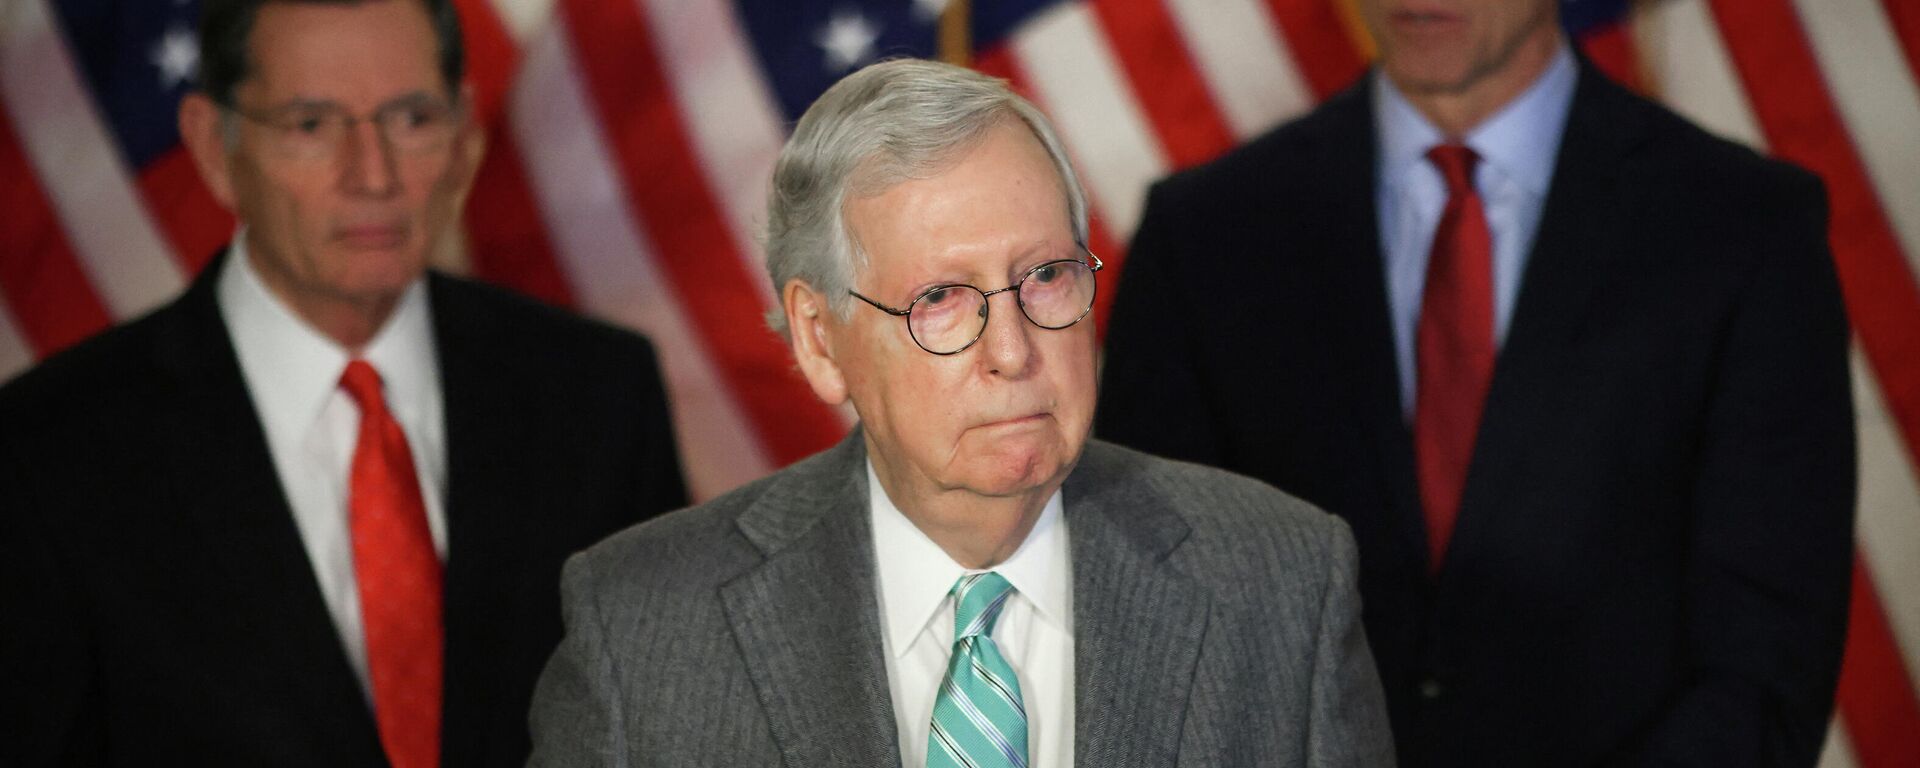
point(305, 104)
point(409, 99)
point(412, 98)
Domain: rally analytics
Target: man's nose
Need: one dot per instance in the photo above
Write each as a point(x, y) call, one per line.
point(1006, 342)
point(367, 160)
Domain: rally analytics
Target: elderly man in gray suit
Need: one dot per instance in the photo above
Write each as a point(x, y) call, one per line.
point(967, 579)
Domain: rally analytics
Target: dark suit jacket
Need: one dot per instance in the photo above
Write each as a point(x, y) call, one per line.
point(1214, 624)
point(1651, 559)
point(159, 606)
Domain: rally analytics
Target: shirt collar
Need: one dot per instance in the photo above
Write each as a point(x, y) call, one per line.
point(1521, 140)
point(915, 574)
point(293, 368)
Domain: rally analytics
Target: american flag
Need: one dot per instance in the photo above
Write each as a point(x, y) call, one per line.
point(631, 141)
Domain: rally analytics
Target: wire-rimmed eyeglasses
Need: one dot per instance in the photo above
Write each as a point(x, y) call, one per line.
point(947, 319)
point(414, 124)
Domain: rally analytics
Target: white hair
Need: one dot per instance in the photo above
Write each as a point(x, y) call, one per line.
point(885, 124)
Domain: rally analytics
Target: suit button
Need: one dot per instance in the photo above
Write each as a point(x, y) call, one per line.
point(1430, 689)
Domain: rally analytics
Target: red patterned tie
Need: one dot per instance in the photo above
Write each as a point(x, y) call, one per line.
point(1455, 347)
point(399, 576)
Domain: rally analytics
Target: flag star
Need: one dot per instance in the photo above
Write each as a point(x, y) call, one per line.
point(848, 40)
point(929, 10)
point(177, 55)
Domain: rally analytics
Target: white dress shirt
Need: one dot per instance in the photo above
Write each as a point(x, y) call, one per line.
point(1034, 633)
point(292, 372)
point(1517, 147)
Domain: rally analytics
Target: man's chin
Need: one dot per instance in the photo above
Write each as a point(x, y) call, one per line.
point(1008, 473)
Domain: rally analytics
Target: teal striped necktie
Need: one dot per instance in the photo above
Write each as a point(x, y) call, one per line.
point(978, 718)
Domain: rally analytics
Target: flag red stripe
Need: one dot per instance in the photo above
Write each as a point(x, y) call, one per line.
point(1783, 82)
point(1904, 16)
point(681, 215)
point(999, 62)
point(52, 301)
point(194, 223)
point(1876, 697)
point(1322, 48)
point(1166, 84)
point(1610, 47)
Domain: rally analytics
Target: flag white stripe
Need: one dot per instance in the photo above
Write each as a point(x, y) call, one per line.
point(1680, 45)
point(1078, 82)
point(1838, 752)
point(79, 165)
point(1874, 90)
point(15, 354)
point(523, 18)
point(609, 262)
point(1889, 523)
point(732, 122)
point(1247, 66)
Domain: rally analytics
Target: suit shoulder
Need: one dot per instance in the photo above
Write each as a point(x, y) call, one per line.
point(527, 323)
point(1219, 503)
point(1702, 162)
point(97, 371)
point(697, 547)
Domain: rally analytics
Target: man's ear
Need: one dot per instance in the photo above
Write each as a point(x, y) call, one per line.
point(472, 147)
point(807, 319)
point(205, 137)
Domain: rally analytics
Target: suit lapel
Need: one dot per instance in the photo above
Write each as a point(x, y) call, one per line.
point(1574, 250)
point(488, 424)
point(807, 619)
point(1353, 272)
point(231, 491)
point(1138, 623)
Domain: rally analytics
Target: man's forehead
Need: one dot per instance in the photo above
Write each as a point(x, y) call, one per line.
point(337, 51)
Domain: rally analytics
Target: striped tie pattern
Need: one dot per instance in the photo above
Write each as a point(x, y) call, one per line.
point(978, 718)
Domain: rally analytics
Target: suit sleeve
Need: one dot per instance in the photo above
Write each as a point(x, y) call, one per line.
point(1772, 541)
point(48, 705)
point(1152, 392)
point(575, 718)
point(1348, 723)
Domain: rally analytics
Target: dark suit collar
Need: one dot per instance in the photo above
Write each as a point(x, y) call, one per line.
point(1343, 257)
point(494, 419)
point(1577, 245)
point(230, 492)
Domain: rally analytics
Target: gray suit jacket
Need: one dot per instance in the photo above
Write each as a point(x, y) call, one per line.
point(1215, 624)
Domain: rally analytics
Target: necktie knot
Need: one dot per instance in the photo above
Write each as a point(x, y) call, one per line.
point(1456, 163)
point(977, 600)
point(362, 383)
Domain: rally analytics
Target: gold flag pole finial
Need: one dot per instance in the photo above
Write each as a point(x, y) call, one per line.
point(956, 34)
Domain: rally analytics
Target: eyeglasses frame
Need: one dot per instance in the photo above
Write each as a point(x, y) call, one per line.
point(1094, 265)
point(458, 110)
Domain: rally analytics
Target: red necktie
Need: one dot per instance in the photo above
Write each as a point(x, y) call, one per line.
point(399, 576)
point(1455, 347)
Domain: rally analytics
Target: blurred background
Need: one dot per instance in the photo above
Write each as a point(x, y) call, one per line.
point(631, 140)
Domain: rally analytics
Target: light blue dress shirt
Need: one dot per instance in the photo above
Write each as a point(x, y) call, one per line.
point(1517, 147)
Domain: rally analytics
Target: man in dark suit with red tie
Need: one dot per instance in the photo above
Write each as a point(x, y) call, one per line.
point(312, 513)
point(1574, 371)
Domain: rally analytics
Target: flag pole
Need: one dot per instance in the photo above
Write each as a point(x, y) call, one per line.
point(956, 34)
